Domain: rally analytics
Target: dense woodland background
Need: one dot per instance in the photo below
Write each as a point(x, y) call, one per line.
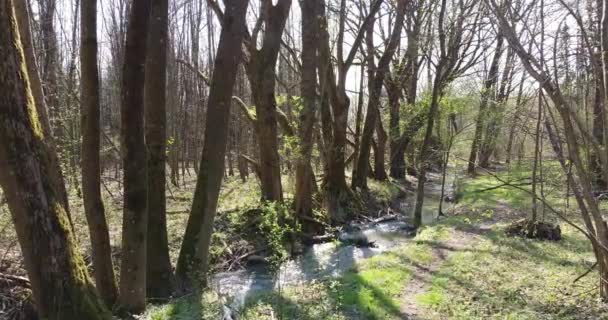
point(148, 144)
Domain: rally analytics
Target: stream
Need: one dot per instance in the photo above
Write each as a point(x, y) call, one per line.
point(331, 259)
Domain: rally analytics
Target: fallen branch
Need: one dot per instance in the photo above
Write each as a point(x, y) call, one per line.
point(502, 186)
point(310, 240)
point(18, 280)
point(245, 109)
point(586, 273)
point(195, 70)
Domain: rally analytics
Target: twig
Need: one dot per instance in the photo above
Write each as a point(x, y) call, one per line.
point(586, 273)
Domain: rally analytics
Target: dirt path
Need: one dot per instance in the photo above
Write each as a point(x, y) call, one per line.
point(459, 240)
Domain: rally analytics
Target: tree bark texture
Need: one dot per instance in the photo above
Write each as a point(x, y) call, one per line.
point(57, 272)
point(90, 164)
point(132, 296)
point(193, 259)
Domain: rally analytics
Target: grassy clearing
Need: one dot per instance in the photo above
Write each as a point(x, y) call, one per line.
point(513, 278)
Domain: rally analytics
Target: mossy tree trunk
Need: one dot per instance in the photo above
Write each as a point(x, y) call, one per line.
point(132, 297)
point(22, 16)
point(194, 254)
point(60, 282)
point(91, 171)
point(159, 272)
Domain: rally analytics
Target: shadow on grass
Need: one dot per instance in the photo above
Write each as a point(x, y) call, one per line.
point(184, 308)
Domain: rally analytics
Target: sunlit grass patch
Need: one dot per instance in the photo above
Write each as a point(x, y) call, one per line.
point(195, 306)
point(513, 278)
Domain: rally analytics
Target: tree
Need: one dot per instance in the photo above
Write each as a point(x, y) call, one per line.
point(486, 94)
point(159, 272)
point(308, 87)
point(90, 164)
point(135, 219)
point(457, 53)
point(335, 121)
point(261, 72)
point(22, 16)
point(376, 82)
point(580, 178)
point(193, 259)
point(59, 278)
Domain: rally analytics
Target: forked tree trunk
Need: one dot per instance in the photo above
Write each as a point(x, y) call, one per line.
point(159, 271)
point(486, 94)
point(372, 116)
point(193, 259)
point(57, 272)
point(261, 71)
point(337, 196)
point(103, 269)
point(132, 295)
point(496, 111)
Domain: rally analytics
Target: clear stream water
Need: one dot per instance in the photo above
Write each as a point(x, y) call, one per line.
point(332, 259)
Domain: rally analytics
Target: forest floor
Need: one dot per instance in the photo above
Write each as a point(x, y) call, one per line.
point(461, 267)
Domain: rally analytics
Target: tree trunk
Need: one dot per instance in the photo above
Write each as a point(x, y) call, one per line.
point(261, 72)
point(135, 219)
point(372, 116)
point(490, 82)
point(103, 269)
point(23, 19)
point(496, 110)
point(51, 68)
point(397, 155)
point(308, 87)
point(380, 152)
point(424, 149)
point(59, 278)
point(194, 254)
point(159, 271)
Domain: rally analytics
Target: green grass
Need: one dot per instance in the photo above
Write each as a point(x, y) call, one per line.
point(503, 277)
point(371, 290)
point(196, 306)
point(513, 278)
point(474, 192)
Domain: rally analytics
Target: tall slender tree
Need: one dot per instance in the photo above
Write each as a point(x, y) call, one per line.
point(193, 259)
point(132, 295)
point(103, 269)
point(457, 54)
point(308, 87)
point(159, 272)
